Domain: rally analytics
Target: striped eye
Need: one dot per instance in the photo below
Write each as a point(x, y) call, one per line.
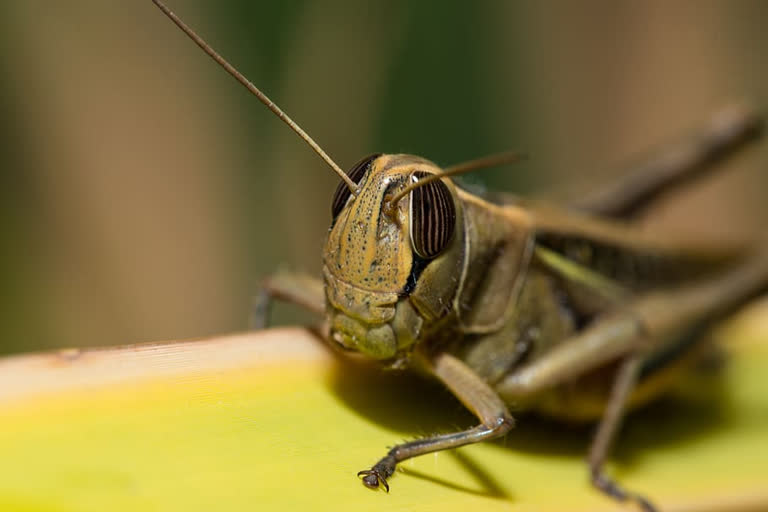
point(433, 217)
point(356, 174)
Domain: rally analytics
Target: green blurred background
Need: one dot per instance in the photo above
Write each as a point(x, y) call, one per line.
point(144, 192)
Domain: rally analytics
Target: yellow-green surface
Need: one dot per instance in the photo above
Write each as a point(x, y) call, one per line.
point(289, 432)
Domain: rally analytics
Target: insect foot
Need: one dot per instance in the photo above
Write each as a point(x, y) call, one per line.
point(610, 488)
point(377, 476)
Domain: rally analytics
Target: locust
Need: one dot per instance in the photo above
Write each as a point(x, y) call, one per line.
point(514, 304)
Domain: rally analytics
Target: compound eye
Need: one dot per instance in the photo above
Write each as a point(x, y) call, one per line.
point(356, 174)
point(433, 217)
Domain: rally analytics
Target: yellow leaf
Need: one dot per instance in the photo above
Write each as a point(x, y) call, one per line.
point(273, 421)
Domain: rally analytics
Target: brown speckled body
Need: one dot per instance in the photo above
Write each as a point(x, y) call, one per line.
point(485, 298)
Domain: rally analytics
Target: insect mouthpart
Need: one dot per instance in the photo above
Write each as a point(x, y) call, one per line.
point(376, 341)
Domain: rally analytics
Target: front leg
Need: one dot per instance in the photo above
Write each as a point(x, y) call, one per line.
point(295, 288)
point(476, 396)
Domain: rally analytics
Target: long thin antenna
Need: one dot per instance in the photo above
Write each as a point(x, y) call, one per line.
point(462, 168)
point(256, 92)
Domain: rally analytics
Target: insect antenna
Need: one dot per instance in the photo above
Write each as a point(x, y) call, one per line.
point(256, 92)
point(462, 168)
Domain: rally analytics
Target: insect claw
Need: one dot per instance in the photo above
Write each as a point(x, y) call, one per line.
point(610, 488)
point(373, 479)
point(644, 504)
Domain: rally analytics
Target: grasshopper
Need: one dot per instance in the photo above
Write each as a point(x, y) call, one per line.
point(512, 304)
